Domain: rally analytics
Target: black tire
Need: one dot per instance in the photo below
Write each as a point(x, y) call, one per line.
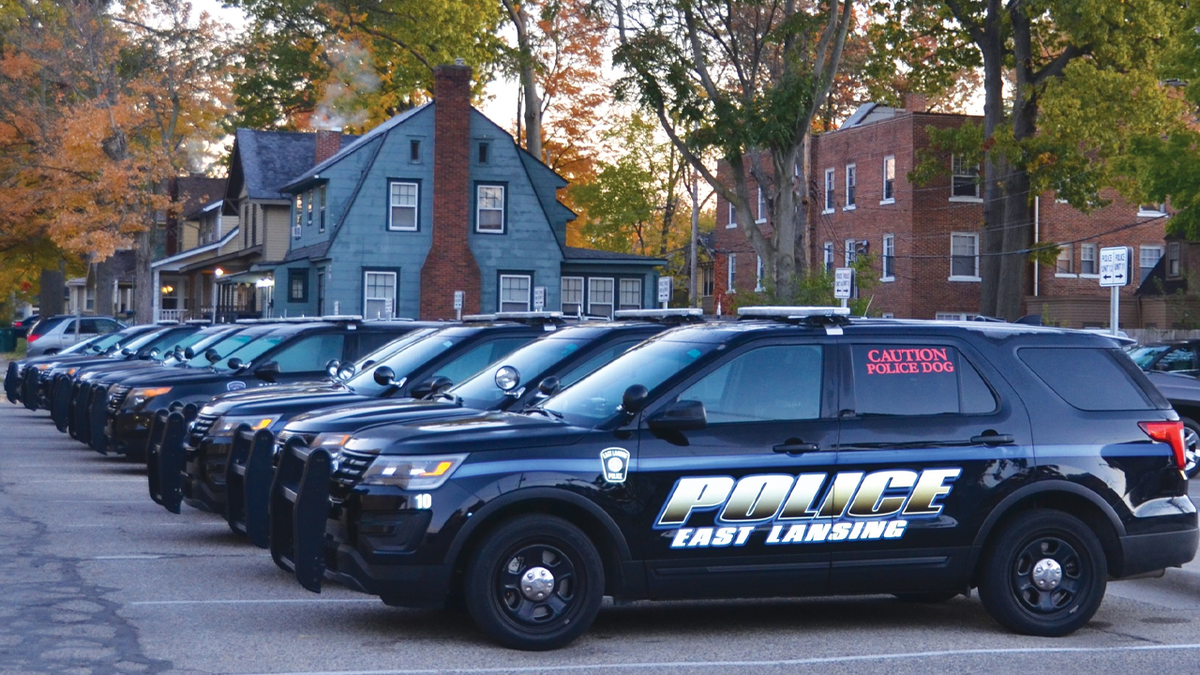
point(511, 616)
point(1007, 586)
point(1191, 449)
point(931, 598)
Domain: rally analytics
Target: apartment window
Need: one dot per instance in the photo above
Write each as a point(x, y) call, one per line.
point(484, 151)
point(296, 218)
point(851, 186)
point(631, 294)
point(321, 191)
point(309, 208)
point(889, 180)
point(298, 285)
point(1148, 257)
point(731, 222)
point(600, 297)
point(572, 296)
point(889, 257)
point(829, 187)
point(489, 209)
point(1066, 259)
point(379, 295)
point(514, 292)
point(253, 225)
point(1087, 259)
point(828, 251)
point(1152, 210)
point(414, 150)
point(850, 247)
point(964, 256)
point(964, 180)
point(707, 281)
point(731, 273)
point(405, 197)
point(762, 207)
point(758, 276)
point(1172, 260)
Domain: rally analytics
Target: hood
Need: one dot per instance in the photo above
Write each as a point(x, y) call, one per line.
point(246, 395)
point(1176, 387)
point(273, 402)
point(372, 412)
point(484, 431)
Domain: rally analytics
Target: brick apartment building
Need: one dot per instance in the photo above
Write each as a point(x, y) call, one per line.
point(925, 239)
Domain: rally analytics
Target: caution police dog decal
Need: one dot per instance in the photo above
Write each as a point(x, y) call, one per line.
point(810, 508)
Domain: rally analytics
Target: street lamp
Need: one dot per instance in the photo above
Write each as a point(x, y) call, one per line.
point(217, 274)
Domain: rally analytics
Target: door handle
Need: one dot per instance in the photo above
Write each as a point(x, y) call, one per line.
point(993, 439)
point(794, 446)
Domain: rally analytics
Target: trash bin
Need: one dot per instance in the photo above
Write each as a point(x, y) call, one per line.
point(8, 340)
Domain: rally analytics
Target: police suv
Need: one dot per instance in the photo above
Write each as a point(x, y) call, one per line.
point(794, 452)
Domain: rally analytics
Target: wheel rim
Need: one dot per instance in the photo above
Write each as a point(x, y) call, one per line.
point(1190, 442)
point(536, 586)
point(1048, 575)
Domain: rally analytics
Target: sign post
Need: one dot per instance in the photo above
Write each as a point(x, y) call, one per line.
point(539, 298)
point(459, 296)
point(843, 284)
point(1114, 273)
point(664, 290)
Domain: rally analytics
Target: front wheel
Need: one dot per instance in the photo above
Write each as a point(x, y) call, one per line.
point(1045, 574)
point(535, 583)
point(1191, 448)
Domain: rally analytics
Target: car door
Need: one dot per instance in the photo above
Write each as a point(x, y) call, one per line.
point(935, 438)
point(728, 502)
point(1180, 358)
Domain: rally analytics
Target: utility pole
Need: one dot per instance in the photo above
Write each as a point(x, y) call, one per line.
point(693, 295)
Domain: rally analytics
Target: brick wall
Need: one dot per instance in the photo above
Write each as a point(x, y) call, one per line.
point(452, 266)
point(329, 142)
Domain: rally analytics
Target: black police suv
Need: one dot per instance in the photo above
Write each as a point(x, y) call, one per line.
point(15, 373)
point(435, 359)
point(792, 453)
point(33, 393)
point(270, 354)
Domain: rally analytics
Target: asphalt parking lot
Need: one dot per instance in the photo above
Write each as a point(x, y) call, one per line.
point(96, 578)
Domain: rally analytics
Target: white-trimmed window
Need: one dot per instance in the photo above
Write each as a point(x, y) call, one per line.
point(889, 258)
point(514, 292)
point(954, 316)
point(379, 295)
point(298, 214)
point(731, 222)
point(827, 250)
point(1172, 260)
point(572, 296)
point(600, 296)
point(321, 192)
point(762, 207)
point(1152, 210)
point(631, 294)
point(309, 208)
point(405, 198)
point(850, 248)
point(889, 180)
point(964, 179)
point(1065, 265)
point(489, 209)
point(964, 256)
point(1148, 257)
point(758, 276)
point(731, 274)
point(707, 280)
point(851, 187)
point(1087, 260)
point(829, 191)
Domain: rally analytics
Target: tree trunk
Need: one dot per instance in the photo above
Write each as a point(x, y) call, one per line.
point(143, 287)
point(50, 297)
point(104, 276)
point(991, 45)
point(528, 76)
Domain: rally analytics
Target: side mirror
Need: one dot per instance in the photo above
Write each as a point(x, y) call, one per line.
point(634, 399)
point(431, 387)
point(548, 386)
point(267, 371)
point(234, 363)
point(127, 352)
point(679, 416)
point(346, 372)
point(384, 376)
point(212, 356)
point(189, 353)
point(331, 368)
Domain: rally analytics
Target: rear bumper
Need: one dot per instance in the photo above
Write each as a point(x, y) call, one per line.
point(1143, 553)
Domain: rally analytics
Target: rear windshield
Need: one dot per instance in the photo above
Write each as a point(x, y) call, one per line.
point(1089, 378)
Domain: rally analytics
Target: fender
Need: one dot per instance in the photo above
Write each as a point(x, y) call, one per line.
point(1005, 506)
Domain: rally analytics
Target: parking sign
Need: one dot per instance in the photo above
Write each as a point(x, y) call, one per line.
point(1114, 266)
point(843, 282)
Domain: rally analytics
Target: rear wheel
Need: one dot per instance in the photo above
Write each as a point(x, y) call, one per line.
point(1045, 574)
point(1191, 447)
point(535, 582)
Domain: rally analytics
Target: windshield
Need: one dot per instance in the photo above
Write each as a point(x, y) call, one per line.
point(403, 362)
point(82, 345)
point(224, 347)
point(250, 351)
point(390, 349)
point(150, 338)
point(595, 398)
point(480, 391)
point(111, 339)
point(1142, 356)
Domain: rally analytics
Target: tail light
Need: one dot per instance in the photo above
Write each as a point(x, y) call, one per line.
point(31, 337)
point(1168, 432)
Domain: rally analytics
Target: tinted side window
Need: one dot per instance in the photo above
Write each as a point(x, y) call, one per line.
point(89, 326)
point(1088, 378)
point(477, 358)
point(917, 380)
point(765, 384)
point(310, 354)
point(369, 342)
point(1180, 358)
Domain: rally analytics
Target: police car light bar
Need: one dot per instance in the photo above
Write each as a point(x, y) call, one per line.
point(514, 316)
point(792, 312)
point(658, 313)
point(342, 317)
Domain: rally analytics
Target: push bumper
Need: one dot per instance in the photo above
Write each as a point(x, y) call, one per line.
point(204, 473)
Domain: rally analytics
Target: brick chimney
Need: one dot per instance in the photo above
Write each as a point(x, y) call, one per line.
point(329, 141)
point(450, 265)
point(916, 102)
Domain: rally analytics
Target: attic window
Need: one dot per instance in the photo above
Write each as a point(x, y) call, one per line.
point(414, 150)
point(483, 153)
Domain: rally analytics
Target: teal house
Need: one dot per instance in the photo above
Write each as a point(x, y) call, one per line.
point(435, 202)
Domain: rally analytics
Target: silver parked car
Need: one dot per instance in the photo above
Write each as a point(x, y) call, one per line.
point(53, 334)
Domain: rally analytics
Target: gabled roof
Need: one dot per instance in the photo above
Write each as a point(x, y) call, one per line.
point(305, 174)
point(267, 160)
point(194, 192)
point(180, 259)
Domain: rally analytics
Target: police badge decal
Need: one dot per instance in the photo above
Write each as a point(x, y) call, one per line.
point(615, 464)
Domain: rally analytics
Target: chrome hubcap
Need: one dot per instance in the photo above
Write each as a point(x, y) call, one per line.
point(1047, 574)
point(537, 583)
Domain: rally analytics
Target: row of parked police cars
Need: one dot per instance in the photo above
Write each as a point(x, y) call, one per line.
point(523, 466)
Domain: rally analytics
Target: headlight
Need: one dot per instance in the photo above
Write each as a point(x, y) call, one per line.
point(72, 371)
point(331, 441)
point(412, 473)
point(229, 424)
point(140, 395)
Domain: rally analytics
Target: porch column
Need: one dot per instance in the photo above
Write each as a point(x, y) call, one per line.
point(156, 293)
